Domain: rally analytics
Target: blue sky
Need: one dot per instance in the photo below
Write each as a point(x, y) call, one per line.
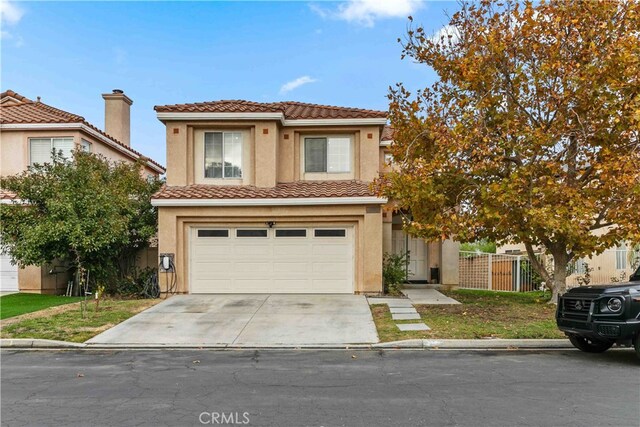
point(178, 52)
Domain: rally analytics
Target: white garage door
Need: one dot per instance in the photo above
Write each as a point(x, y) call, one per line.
point(8, 274)
point(276, 260)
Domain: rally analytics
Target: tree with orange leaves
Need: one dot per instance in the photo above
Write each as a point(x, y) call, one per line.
point(531, 133)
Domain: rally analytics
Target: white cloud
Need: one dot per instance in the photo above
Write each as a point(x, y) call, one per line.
point(296, 83)
point(10, 13)
point(446, 33)
point(366, 12)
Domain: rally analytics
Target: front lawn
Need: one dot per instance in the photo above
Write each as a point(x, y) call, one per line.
point(482, 314)
point(17, 304)
point(69, 325)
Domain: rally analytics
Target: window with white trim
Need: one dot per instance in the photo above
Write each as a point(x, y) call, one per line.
point(621, 257)
point(327, 154)
point(40, 149)
point(223, 155)
point(85, 146)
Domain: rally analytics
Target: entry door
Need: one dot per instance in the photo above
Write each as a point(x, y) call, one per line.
point(8, 275)
point(417, 249)
point(272, 260)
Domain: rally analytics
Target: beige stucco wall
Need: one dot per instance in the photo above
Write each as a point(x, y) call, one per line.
point(274, 153)
point(14, 148)
point(174, 224)
point(40, 280)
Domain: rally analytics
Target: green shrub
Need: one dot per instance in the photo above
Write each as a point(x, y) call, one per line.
point(394, 272)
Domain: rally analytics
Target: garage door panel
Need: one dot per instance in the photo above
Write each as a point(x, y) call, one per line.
point(291, 267)
point(8, 274)
point(331, 250)
point(252, 268)
point(256, 249)
point(301, 250)
point(272, 264)
point(334, 269)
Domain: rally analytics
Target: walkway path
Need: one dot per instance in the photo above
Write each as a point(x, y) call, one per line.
point(403, 308)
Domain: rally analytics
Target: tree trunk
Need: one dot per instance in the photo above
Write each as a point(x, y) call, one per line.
point(560, 261)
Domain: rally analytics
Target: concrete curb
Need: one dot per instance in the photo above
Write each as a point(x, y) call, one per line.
point(38, 343)
point(479, 344)
point(415, 344)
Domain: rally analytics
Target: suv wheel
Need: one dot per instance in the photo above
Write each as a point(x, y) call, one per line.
point(637, 345)
point(589, 345)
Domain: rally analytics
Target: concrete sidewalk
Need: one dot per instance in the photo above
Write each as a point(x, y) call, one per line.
point(427, 297)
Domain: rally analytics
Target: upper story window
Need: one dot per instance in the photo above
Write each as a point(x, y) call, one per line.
point(223, 155)
point(327, 154)
point(388, 159)
point(40, 149)
point(85, 146)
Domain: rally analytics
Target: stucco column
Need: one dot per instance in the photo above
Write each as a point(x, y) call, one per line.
point(450, 272)
point(167, 235)
point(387, 232)
point(266, 143)
point(177, 154)
point(372, 235)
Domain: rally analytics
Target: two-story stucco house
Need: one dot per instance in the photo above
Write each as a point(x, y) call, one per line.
point(29, 131)
point(276, 198)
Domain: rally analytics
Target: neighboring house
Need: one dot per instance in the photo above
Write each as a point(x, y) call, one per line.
point(276, 198)
point(614, 264)
point(29, 131)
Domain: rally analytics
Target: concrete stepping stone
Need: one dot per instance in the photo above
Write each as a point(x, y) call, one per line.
point(413, 327)
point(405, 316)
point(398, 310)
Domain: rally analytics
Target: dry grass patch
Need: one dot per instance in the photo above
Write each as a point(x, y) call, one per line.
point(69, 325)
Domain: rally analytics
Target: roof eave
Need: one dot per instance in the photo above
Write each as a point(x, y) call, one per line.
point(290, 201)
point(165, 116)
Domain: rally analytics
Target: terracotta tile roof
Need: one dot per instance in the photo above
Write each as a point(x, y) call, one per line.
point(11, 94)
point(292, 110)
point(292, 190)
point(6, 194)
point(387, 133)
point(29, 112)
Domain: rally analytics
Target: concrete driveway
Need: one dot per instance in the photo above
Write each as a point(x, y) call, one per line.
point(260, 320)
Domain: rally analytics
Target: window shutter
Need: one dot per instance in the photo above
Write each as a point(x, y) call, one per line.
point(40, 150)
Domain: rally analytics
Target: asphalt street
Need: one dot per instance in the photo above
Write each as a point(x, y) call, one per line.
point(319, 388)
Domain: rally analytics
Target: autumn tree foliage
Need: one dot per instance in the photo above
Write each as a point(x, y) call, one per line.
point(530, 133)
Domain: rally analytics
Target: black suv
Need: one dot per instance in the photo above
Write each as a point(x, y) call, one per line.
point(596, 317)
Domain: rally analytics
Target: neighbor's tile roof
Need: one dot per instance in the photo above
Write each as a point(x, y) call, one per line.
point(291, 110)
point(387, 133)
point(6, 194)
point(29, 112)
point(300, 189)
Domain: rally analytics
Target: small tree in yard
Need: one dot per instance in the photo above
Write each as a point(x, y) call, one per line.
point(86, 211)
point(530, 134)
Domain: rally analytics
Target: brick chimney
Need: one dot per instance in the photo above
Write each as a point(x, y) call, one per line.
point(117, 116)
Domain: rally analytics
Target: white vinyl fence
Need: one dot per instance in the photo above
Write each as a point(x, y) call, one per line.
point(508, 272)
point(498, 272)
